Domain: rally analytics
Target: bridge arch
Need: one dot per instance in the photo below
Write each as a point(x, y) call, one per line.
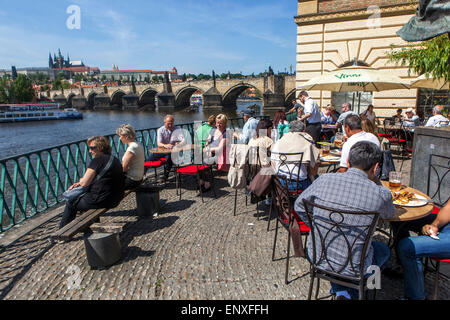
point(91, 99)
point(183, 96)
point(230, 96)
point(147, 97)
point(116, 98)
point(69, 99)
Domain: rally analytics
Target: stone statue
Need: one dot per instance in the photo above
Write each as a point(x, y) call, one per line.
point(214, 78)
point(431, 20)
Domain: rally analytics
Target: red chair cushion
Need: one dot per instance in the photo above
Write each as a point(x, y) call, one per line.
point(193, 168)
point(301, 224)
point(154, 164)
point(435, 210)
point(380, 134)
point(395, 140)
point(296, 192)
point(446, 260)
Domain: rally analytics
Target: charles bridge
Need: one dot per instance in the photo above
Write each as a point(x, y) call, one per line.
point(277, 91)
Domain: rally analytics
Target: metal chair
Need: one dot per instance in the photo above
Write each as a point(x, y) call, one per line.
point(281, 201)
point(289, 166)
point(330, 228)
point(196, 170)
point(438, 166)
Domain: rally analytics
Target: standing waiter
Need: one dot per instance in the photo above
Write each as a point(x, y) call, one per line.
point(312, 116)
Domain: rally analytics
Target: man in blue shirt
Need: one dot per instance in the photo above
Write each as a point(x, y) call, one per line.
point(312, 116)
point(249, 128)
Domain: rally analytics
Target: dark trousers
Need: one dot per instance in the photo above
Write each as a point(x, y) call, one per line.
point(72, 207)
point(314, 130)
point(131, 184)
point(167, 166)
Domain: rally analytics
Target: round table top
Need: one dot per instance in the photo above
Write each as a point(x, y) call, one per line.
point(174, 149)
point(410, 213)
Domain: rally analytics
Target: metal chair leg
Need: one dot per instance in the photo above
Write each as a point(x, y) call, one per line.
point(270, 214)
point(436, 280)
point(287, 259)
point(311, 283)
point(275, 241)
point(235, 202)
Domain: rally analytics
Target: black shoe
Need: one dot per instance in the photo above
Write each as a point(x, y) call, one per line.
point(205, 189)
point(393, 272)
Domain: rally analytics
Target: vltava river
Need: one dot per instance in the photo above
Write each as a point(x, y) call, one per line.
point(24, 137)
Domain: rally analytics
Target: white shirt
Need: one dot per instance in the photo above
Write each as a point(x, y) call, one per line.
point(435, 120)
point(312, 108)
point(360, 136)
point(136, 170)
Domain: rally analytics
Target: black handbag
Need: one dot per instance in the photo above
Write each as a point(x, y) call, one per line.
point(77, 192)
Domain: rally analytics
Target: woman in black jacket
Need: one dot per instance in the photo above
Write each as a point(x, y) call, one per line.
point(105, 186)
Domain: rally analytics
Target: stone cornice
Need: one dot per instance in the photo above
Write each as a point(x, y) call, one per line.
point(326, 17)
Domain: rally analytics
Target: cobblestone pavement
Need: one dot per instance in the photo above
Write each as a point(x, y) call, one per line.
point(192, 250)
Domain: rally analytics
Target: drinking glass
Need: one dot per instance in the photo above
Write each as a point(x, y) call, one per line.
point(395, 180)
point(325, 149)
point(338, 139)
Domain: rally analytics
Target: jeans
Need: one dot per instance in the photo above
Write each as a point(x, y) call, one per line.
point(381, 255)
point(411, 250)
point(292, 184)
point(72, 207)
point(167, 166)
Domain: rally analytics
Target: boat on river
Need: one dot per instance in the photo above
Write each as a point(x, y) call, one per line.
point(36, 112)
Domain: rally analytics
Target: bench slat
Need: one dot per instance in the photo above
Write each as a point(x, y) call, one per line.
point(81, 222)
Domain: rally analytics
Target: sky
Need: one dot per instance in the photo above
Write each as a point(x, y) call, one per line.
point(195, 36)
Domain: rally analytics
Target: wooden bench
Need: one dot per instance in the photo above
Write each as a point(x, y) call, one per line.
point(82, 222)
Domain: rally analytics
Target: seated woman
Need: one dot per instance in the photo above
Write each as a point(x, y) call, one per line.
point(263, 141)
point(133, 159)
point(279, 124)
point(105, 192)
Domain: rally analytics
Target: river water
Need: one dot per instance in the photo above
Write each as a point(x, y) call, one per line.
point(24, 137)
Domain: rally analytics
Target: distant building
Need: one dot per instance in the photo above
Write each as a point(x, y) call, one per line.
point(59, 64)
point(139, 75)
point(27, 71)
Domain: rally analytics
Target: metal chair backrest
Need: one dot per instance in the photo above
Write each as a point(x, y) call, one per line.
point(340, 240)
point(289, 165)
point(281, 200)
point(439, 187)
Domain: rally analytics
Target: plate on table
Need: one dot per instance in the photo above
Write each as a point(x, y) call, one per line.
point(331, 158)
point(403, 199)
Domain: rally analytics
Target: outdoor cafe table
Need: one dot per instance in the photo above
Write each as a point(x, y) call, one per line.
point(404, 213)
point(174, 149)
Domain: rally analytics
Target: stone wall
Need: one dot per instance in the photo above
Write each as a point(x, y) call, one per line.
point(342, 5)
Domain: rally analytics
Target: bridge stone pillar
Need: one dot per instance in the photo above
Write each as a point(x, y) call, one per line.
point(273, 96)
point(166, 98)
point(79, 102)
point(61, 99)
point(212, 100)
point(130, 101)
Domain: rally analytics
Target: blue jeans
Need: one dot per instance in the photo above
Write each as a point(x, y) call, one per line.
point(292, 184)
point(381, 255)
point(411, 250)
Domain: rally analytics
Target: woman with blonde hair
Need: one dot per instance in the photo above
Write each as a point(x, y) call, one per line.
point(133, 159)
point(217, 141)
point(103, 179)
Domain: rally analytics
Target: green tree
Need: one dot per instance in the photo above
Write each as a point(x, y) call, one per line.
point(23, 89)
point(4, 90)
point(431, 57)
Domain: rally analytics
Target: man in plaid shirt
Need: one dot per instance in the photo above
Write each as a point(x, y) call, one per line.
point(357, 190)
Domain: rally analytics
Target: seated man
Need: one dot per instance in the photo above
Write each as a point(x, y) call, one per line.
point(296, 140)
point(353, 127)
point(357, 189)
point(346, 111)
point(327, 119)
point(411, 120)
point(411, 250)
point(437, 119)
point(248, 131)
point(167, 137)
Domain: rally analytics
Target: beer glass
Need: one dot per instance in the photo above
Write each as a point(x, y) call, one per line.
point(338, 139)
point(395, 180)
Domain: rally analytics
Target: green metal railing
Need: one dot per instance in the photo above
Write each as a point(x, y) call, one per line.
point(34, 182)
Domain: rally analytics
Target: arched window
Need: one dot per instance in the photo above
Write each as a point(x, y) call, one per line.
point(359, 100)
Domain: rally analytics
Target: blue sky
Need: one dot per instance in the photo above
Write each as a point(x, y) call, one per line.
point(194, 36)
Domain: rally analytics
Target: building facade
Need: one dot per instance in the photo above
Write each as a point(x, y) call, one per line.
point(336, 33)
point(138, 75)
